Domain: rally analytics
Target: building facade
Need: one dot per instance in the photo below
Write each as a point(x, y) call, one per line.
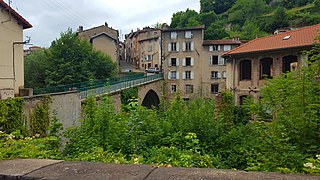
point(249, 65)
point(11, 51)
point(103, 38)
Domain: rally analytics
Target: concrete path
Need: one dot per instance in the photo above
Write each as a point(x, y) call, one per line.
point(29, 169)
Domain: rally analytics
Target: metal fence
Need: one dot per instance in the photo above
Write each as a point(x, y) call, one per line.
point(120, 86)
point(83, 86)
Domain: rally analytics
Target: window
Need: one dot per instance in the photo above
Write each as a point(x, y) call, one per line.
point(188, 46)
point(242, 99)
point(174, 88)
point(289, 63)
point(266, 68)
point(149, 48)
point(173, 46)
point(173, 61)
point(149, 57)
point(174, 35)
point(215, 75)
point(224, 74)
point(173, 75)
point(189, 88)
point(188, 34)
point(214, 48)
point(245, 70)
point(214, 88)
point(188, 61)
point(213, 60)
point(188, 74)
point(221, 61)
point(226, 48)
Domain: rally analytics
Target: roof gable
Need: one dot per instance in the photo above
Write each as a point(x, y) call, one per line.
point(17, 16)
point(292, 39)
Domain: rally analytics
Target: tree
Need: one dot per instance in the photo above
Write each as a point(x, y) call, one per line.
point(217, 6)
point(72, 60)
point(215, 32)
point(182, 19)
point(208, 18)
point(278, 20)
point(35, 66)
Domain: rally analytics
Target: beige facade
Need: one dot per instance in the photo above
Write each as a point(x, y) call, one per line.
point(11, 51)
point(194, 67)
point(103, 38)
point(143, 48)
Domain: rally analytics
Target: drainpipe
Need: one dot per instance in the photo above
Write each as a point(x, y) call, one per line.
point(234, 78)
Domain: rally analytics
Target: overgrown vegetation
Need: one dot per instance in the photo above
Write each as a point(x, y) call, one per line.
point(248, 19)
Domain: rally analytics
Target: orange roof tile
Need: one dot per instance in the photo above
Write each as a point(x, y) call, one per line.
point(297, 38)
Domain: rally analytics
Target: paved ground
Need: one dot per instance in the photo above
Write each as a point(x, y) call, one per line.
point(29, 169)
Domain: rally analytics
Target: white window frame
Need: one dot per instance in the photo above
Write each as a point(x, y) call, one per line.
point(189, 88)
point(221, 61)
point(224, 74)
point(173, 35)
point(173, 88)
point(188, 35)
point(227, 48)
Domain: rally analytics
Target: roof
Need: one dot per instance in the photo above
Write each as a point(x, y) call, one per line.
point(222, 42)
point(102, 34)
point(17, 16)
point(303, 37)
point(185, 29)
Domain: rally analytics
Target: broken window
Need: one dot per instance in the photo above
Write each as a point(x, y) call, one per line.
point(245, 70)
point(289, 63)
point(266, 68)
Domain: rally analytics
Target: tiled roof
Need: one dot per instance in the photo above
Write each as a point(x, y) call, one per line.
point(222, 42)
point(184, 29)
point(292, 39)
point(16, 15)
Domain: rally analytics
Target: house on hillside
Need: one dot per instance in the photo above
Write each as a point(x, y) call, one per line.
point(11, 51)
point(192, 66)
point(249, 65)
point(103, 38)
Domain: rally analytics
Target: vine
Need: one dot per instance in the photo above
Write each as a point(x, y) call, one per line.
point(11, 115)
point(39, 117)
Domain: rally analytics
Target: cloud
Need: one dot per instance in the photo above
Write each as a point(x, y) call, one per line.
point(51, 17)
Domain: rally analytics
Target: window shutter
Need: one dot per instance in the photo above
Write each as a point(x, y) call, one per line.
point(224, 74)
point(177, 46)
point(219, 75)
point(177, 61)
point(184, 62)
point(169, 47)
point(219, 47)
point(177, 74)
point(169, 75)
point(220, 61)
point(210, 60)
point(184, 75)
point(169, 62)
point(192, 75)
point(211, 48)
point(192, 61)
point(184, 46)
point(192, 46)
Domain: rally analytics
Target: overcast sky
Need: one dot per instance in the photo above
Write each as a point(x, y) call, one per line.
point(51, 17)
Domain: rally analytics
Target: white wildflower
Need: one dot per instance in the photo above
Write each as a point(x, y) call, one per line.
point(1, 132)
point(309, 165)
point(318, 156)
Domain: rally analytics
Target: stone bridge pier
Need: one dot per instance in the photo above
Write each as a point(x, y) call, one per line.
point(150, 94)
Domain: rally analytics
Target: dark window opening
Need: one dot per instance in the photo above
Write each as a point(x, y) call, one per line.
point(215, 60)
point(214, 88)
point(245, 70)
point(266, 68)
point(188, 61)
point(242, 99)
point(173, 61)
point(173, 46)
point(289, 63)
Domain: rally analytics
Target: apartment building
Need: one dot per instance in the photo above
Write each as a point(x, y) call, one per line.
point(249, 65)
point(143, 48)
point(11, 51)
point(194, 67)
point(103, 38)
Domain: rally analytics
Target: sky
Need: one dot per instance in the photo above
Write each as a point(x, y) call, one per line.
point(51, 17)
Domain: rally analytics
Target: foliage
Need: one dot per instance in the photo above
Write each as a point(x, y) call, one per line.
point(181, 19)
point(11, 115)
point(68, 60)
point(40, 117)
point(217, 6)
point(127, 94)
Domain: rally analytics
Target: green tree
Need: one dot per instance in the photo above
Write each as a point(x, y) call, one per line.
point(35, 66)
point(182, 19)
point(215, 32)
point(208, 18)
point(74, 60)
point(278, 20)
point(217, 6)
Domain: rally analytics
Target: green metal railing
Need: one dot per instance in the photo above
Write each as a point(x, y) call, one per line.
point(83, 86)
point(120, 86)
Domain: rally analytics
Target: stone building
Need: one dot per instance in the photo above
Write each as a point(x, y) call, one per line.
point(11, 51)
point(249, 65)
point(104, 39)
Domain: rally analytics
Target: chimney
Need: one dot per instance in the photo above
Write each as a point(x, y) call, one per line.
point(80, 29)
point(235, 39)
point(106, 24)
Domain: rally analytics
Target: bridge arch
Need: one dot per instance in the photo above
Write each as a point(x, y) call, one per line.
point(151, 99)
